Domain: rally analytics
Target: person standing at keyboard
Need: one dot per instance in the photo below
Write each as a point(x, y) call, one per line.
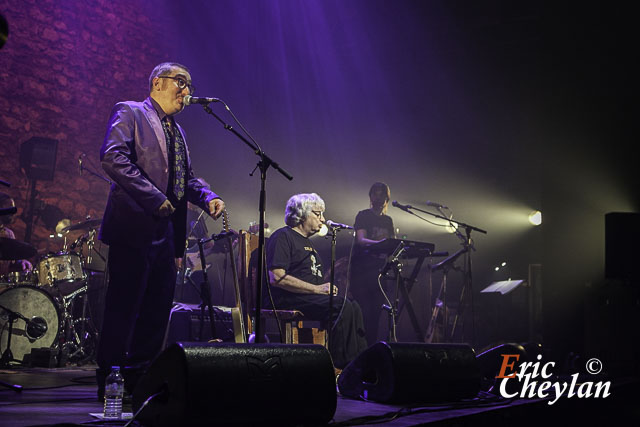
point(372, 226)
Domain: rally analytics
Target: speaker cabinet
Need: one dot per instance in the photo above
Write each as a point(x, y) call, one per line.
point(412, 373)
point(38, 158)
point(238, 384)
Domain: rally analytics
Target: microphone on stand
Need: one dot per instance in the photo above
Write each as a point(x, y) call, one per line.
point(399, 206)
point(436, 205)
point(189, 100)
point(338, 225)
point(80, 163)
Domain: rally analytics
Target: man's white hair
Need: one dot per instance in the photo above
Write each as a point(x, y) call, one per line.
point(299, 207)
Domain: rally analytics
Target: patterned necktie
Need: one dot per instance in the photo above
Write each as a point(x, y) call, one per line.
point(176, 148)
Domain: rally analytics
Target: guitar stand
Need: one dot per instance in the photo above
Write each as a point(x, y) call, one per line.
point(441, 300)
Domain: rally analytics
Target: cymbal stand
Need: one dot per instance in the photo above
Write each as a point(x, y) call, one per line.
point(441, 300)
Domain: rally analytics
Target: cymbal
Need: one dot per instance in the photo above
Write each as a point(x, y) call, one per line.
point(11, 249)
point(86, 225)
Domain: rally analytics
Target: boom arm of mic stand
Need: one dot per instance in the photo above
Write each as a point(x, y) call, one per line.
point(97, 175)
point(268, 161)
point(467, 226)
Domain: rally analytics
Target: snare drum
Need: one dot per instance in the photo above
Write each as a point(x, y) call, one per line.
point(19, 278)
point(63, 270)
point(43, 313)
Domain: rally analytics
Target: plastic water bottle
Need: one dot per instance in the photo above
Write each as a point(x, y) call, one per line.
point(113, 391)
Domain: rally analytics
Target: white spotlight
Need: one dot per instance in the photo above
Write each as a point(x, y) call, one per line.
point(535, 217)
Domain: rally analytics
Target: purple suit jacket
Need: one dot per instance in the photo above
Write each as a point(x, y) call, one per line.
point(134, 156)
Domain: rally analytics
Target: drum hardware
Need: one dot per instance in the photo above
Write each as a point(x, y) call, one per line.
point(18, 278)
point(80, 334)
point(88, 224)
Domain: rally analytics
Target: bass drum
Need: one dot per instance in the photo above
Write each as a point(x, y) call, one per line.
point(44, 318)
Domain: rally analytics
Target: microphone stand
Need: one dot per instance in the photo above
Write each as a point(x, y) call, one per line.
point(394, 263)
point(467, 244)
point(7, 356)
point(185, 272)
point(334, 236)
point(205, 293)
point(97, 175)
point(263, 164)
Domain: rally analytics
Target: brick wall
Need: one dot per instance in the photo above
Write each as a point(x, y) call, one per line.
point(63, 67)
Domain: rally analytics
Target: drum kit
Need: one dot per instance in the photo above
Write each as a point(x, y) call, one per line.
point(48, 306)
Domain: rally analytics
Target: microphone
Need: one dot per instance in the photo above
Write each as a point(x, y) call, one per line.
point(5, 183)
point(80, 163)
point(436, 205)
point(188, 100)
point(338, 225)
point(36, 327)
point(399, 206)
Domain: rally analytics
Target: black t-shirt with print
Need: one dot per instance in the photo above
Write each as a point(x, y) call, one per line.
point(378, 227)
point(291, 251)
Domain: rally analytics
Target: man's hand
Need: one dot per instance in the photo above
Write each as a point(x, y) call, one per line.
point(25, 265)
point(216, 206)
point(324, 289)
point(165, 209)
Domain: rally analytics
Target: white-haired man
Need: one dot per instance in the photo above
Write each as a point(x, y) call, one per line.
point(298, 282)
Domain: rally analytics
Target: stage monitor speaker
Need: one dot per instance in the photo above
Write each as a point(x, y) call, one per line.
point(621, 245)
point(38, 158)
point(412, 373)
point(238, 384)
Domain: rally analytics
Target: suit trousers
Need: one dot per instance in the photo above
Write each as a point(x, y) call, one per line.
point(138, 301)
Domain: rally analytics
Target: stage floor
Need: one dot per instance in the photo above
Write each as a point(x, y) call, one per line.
point(68, 396)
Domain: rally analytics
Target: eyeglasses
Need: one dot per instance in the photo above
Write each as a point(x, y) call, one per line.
point(319, 214)
point(181, 83)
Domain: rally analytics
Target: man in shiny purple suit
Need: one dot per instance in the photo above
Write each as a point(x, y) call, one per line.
point(145, 155)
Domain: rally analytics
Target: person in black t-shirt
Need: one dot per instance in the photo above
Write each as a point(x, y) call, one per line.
point(372, 226)
point(298, 282)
